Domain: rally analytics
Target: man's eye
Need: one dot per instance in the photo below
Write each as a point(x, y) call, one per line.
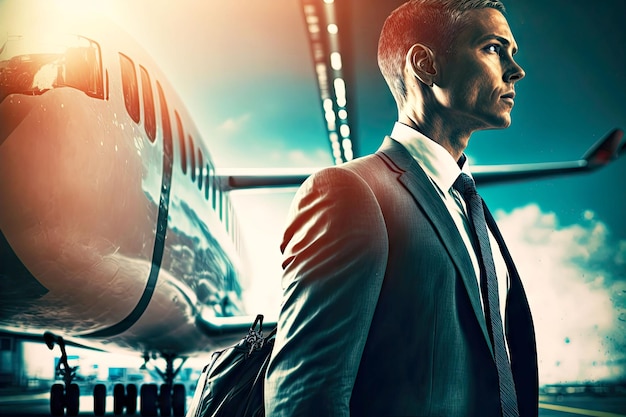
point(495, 48)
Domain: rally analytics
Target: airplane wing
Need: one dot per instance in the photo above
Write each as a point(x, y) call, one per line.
point(36, 336)
point(243, 179)
point(600, 154)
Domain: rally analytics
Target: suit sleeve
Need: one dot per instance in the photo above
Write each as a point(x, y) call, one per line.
point(335, 253)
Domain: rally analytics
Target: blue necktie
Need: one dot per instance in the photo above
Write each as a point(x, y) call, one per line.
point(489, 289)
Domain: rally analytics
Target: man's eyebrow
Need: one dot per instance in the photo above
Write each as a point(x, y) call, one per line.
point(504, 41)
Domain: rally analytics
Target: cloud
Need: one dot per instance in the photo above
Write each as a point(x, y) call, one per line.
point(235, 143)
point(234, 124)
point(267, 153)
point(575, 280)
point(295, 158)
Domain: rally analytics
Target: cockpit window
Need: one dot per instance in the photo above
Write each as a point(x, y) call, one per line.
point(33, 66)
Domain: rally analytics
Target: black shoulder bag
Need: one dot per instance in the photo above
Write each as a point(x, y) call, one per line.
point(231, 385)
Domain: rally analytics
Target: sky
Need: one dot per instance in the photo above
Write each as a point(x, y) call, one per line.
point(244, 69)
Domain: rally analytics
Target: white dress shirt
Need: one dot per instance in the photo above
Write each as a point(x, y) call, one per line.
point(443, 171)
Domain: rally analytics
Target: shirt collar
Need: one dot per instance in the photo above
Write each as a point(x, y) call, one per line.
point(434, 159)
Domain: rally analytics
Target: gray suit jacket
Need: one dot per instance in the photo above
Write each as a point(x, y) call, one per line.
point(415, 346)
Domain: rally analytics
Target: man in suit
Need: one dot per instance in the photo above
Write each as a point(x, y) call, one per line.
point(382, 311)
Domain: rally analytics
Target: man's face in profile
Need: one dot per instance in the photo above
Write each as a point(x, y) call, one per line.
point(478, 76)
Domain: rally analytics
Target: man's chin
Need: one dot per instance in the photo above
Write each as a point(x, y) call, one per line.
point(496, 126)
point(490, 122)
point(499, 123)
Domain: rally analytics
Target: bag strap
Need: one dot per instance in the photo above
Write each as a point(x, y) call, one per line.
point(260, 376)
point(254, 339)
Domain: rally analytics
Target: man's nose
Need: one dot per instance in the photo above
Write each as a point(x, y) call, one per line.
point(515, 73)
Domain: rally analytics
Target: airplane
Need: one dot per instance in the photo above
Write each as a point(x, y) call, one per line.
point(116, 229)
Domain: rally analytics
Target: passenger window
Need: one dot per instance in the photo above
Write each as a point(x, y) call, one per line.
point(148, 105)
point(222, 205)
point(193, 159)
point(207, 182)
point(214, 190)
point(226, 209)
point(129, 87)
point(167, 126)
point(181, 142)
point(200, 166)
point(217, 203)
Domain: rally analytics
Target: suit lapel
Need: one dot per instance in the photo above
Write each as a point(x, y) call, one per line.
point(421, 188)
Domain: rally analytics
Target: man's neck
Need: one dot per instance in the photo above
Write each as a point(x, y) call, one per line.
point(454, 141)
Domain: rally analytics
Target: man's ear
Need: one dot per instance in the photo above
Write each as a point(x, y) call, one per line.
point(420, 61)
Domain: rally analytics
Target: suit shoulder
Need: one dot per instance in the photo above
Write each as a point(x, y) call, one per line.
point(337, 174)
point(364, 168)
point(342, 184)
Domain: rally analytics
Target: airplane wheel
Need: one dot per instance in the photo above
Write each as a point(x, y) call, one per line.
point(178, 400)
point(148, 400)
point(57, 400)
point(131, 399)
point(119, 399)
point(165, 400)
point(99, 399)
point(73, 399)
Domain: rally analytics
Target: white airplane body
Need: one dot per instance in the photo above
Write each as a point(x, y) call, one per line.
point(109, 228)
point(116, 230)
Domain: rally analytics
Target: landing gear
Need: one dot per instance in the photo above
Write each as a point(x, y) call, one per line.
point(149, 400)
point(124, 398)
point(66, 396)
point(167, 400)
point(99, 399)
point(178, 400)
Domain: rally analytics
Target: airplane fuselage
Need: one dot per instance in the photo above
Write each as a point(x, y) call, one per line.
point(114, 228)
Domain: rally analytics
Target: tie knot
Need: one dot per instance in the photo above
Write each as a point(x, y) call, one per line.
point(465, 185)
